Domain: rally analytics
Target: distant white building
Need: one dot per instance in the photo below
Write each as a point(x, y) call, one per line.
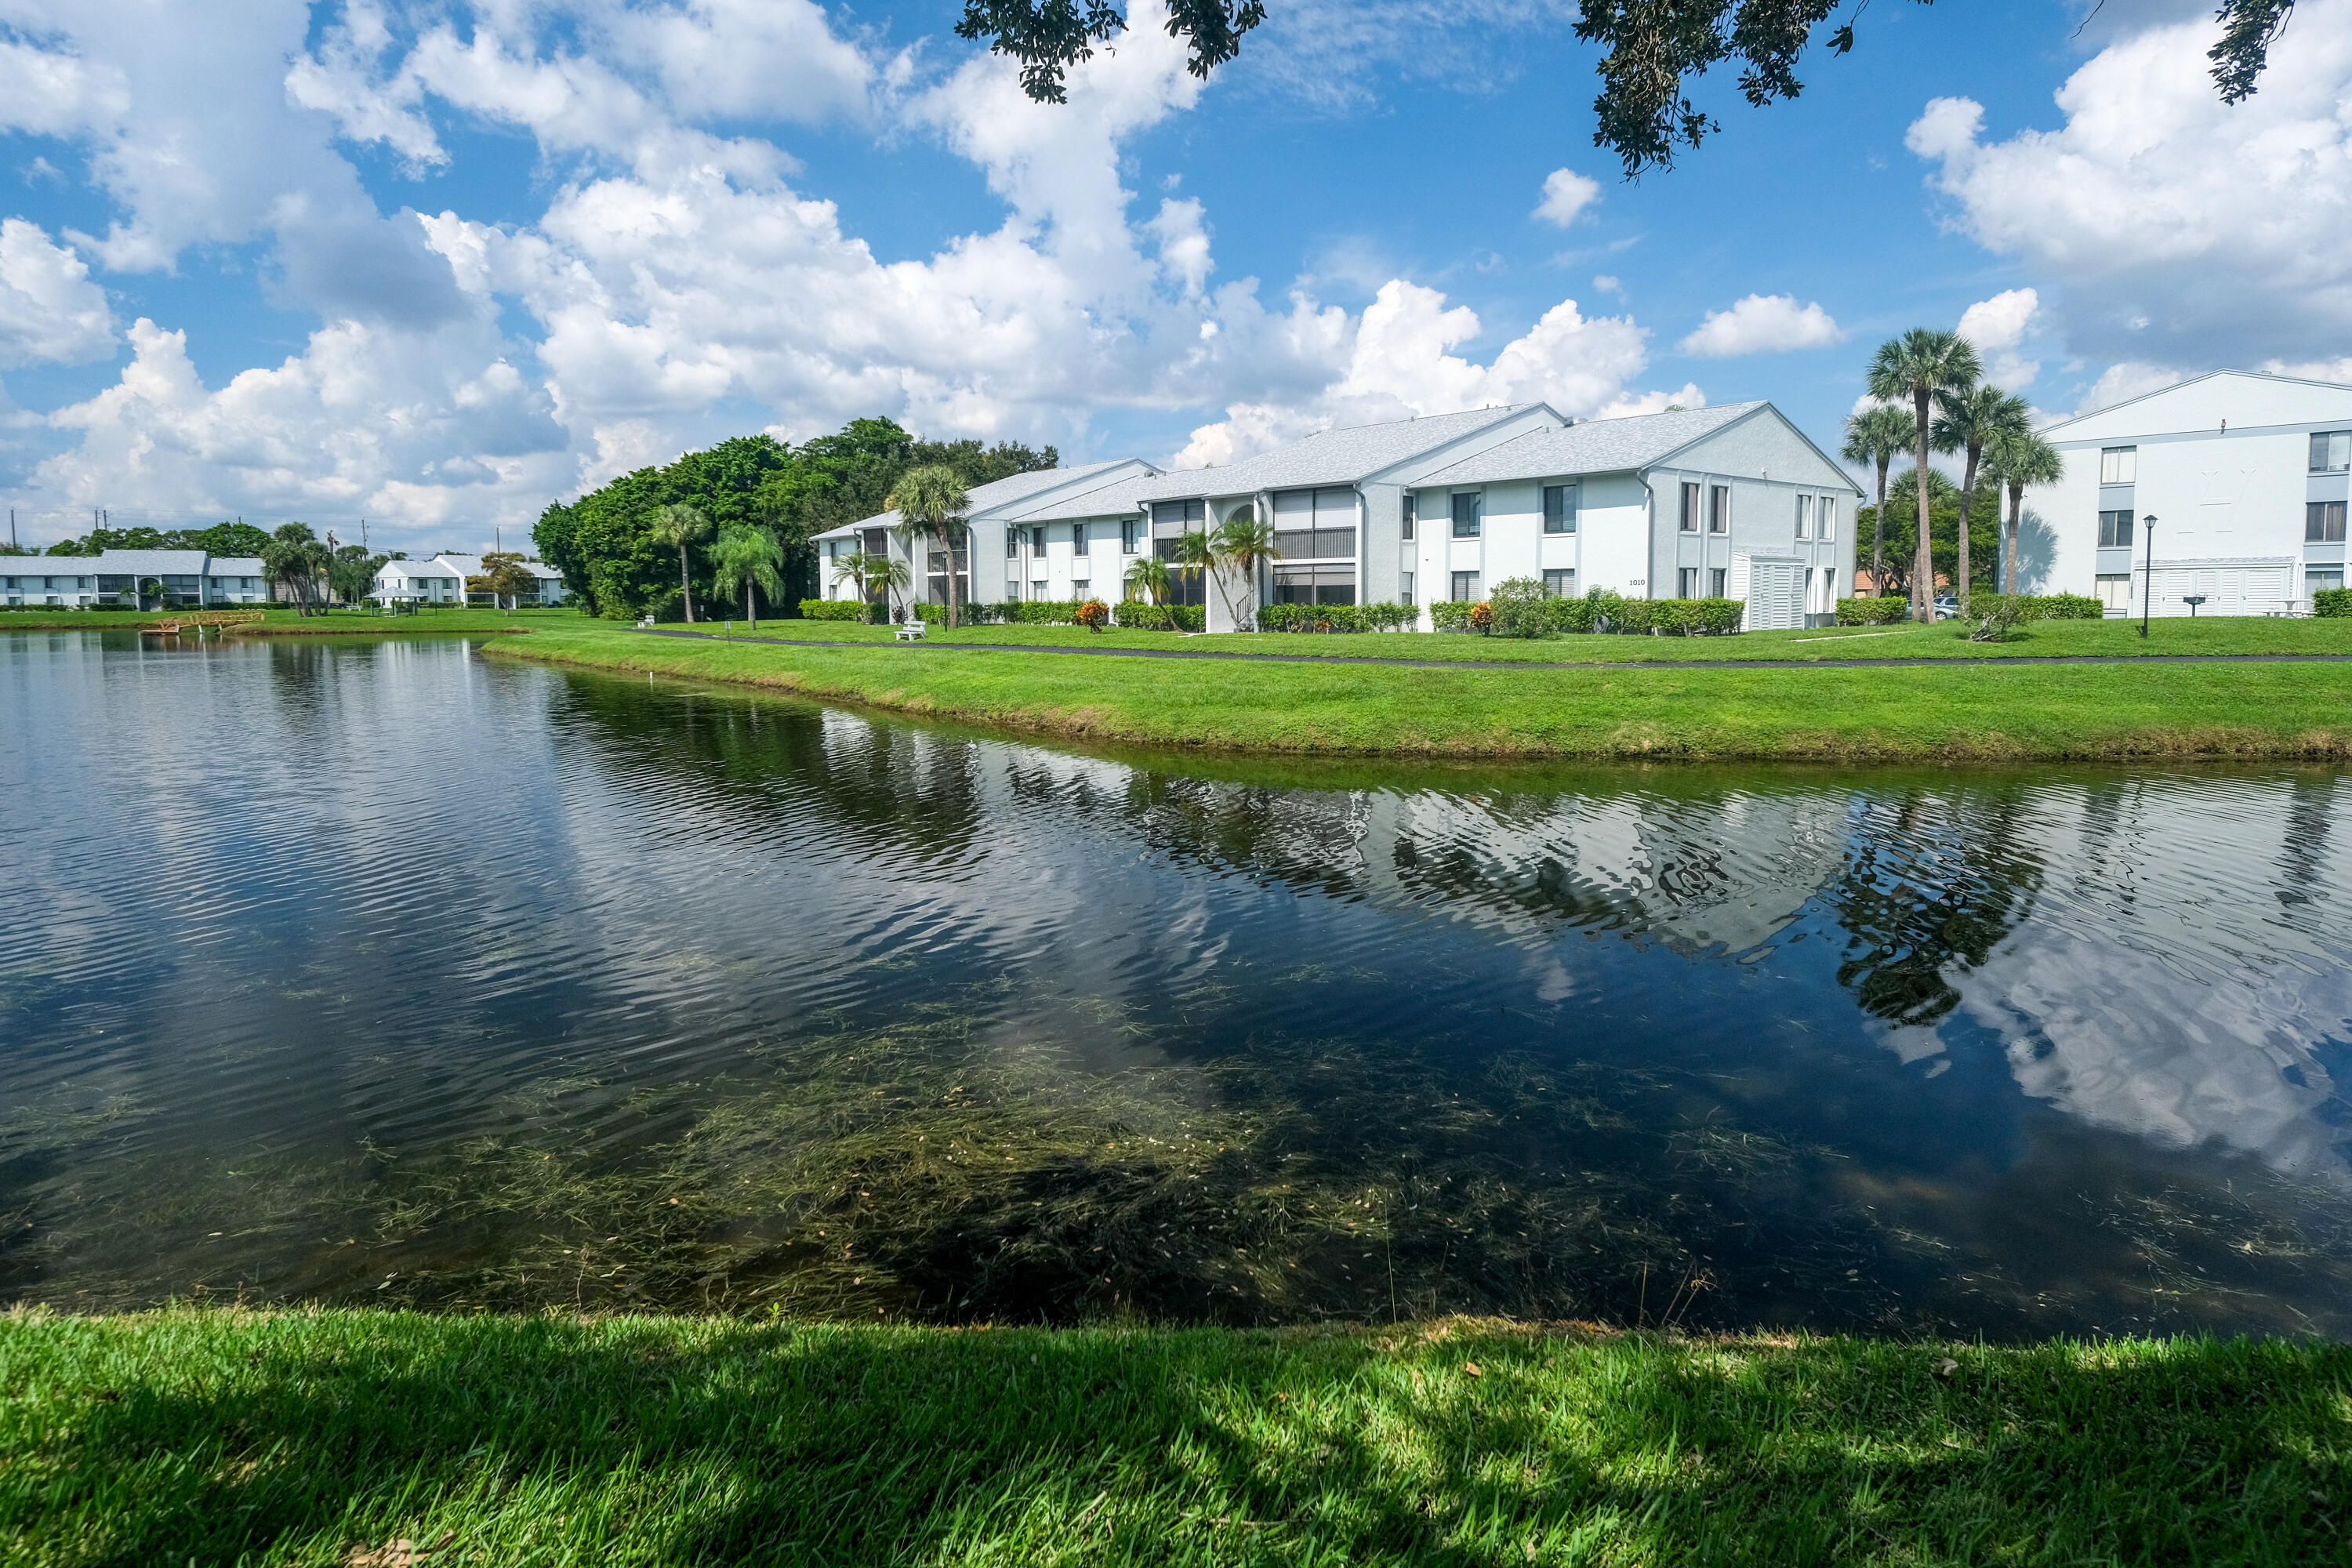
point(442, 581)
point(2246, 475)
point(133, 579)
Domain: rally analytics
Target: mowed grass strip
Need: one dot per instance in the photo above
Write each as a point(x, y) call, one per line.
point(1964, 712)
point(218, 1436)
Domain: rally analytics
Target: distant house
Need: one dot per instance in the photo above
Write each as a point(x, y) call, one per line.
point(134, 579)
point(442, 581)
point(1713, 502)
point(2246, 476)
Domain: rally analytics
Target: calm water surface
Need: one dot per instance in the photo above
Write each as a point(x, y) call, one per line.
point(382, 971)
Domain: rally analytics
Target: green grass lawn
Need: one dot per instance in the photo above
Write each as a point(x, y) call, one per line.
point(220, 1436)
point(2202, 635)
point(1963, 712)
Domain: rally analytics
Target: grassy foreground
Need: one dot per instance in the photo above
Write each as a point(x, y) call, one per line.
point(1615, 712)
point(215, 1437)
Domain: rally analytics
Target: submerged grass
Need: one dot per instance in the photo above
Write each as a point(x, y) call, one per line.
point(2000, 712)
point(218, 1437)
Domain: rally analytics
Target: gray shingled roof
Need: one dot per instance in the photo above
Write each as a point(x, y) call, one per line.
point(1329, 458)
point(1117, 499)
point(153, 562)
point(251, 566)
point(984, 500)
point(1592, 447)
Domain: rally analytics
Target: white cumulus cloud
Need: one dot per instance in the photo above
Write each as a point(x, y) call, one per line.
point(1762, 323)
point(51, 312)
point(1566, 194)
point(1997, 327)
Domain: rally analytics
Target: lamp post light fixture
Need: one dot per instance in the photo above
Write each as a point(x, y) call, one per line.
point(2148, 592)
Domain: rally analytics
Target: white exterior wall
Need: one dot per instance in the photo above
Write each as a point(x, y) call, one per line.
point(1768, 467)
point(1607, 550)
point(2229, 504)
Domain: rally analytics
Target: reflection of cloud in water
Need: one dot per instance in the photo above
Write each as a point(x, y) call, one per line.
point(2182, 965)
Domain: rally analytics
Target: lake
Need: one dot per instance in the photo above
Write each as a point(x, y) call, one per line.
point(378, 971)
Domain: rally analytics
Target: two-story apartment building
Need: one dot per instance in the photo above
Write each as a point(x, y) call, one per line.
point(132, 579)
point(442, 581)
point(1731, 501)
point(2245, 475)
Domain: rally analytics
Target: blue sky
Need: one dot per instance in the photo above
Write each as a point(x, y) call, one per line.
point(436, 265)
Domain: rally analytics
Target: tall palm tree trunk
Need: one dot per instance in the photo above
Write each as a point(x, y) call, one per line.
point(2016, 503)
point(1878, 532)
point(955, 595)
point(1923, 569)
point(1967, 516)
point(686, 584)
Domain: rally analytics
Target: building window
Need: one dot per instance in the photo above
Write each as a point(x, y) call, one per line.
point(1012, 544)
point(1561, 582)
point(1804, 517)
point(1404, 588)
point(1038, 590)
point(1686, 583)
point(1314, 584)
point(1314, 525)
point(1038, 543)
point(2118, 465)
point(1405, 525)
point(1718, 509)
point(1559, 509)
point(1715, 581)
point(1465, 587)
point(2323, 522)
point(2114, 590)
point(1690, 509)
point(1126, 533)
point(1078, 539)
point(1465, 518)
point(2115, 531)
point(2321, 581)
point(1826, 515)
point(2331, 451)
point(1012, 590)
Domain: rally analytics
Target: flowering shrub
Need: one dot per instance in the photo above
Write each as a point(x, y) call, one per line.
point(1094, 615)
point(1481, 618)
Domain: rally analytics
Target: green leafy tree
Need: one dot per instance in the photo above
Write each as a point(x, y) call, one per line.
point(1902, 523)
point(1916, 367)
point(2017, 460)
point(931, 502)
point(503, 577)
point(351, 572)
point(676, 526)
point(1965, 421)
point(750, 561)
point(228, 539)
point(1652, 51)
point(1874, 436)
point(1236, 551)
point(296, 559)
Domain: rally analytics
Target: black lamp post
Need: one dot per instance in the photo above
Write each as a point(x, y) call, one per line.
point(2148, 595)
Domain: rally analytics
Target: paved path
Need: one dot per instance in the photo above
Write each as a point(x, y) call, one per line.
point(1531, 663)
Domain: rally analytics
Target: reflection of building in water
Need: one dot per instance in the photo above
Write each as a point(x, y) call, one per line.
point(2186, 972)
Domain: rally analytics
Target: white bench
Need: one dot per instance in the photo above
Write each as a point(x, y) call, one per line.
point(911, 632)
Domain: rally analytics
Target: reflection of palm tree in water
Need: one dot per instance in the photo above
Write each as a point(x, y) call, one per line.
point(1919, 895)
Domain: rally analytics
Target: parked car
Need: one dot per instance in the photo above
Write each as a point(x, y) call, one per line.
point(1947, 605)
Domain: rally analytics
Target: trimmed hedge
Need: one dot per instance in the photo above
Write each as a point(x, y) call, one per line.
point(1997, 615)
point(831, 610)
point(1149, 617)
point(1449, 616)
point(1336, 617)
point(1513, 613)
point(1879, 611)
point(2332, 602)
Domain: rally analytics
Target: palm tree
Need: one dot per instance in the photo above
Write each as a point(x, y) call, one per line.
point(1965, 421)
point(2020, 459)
point(884, 572)
point(930, 503)
point(1238, 551)
point(295, 557)
point(1874, 436)
point(1918, 365)
point(679, 525)
point(1194, 554)
point(747, 558)
point(1149, 579)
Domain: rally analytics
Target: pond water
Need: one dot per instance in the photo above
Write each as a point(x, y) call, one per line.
point(381, 971)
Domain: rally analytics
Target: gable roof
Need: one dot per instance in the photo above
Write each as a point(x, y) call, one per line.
point(987, 502)
point(1341, 456)
point(166, 562)
point(237, 566)
point(1117, 499)
point(2264, 380)
point(1592, 445)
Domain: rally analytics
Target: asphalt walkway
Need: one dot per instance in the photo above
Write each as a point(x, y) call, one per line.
point(1527, 663)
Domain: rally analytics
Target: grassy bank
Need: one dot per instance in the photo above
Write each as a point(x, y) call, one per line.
point(220, 1436)
point(1968, 712)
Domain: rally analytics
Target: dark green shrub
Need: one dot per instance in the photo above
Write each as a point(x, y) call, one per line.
point(833, 610)
point(2332, 602)
point(2073, 607)
point(1879, 612)
point(1161, 617)
point(1448, 615)
point(1521, 607)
